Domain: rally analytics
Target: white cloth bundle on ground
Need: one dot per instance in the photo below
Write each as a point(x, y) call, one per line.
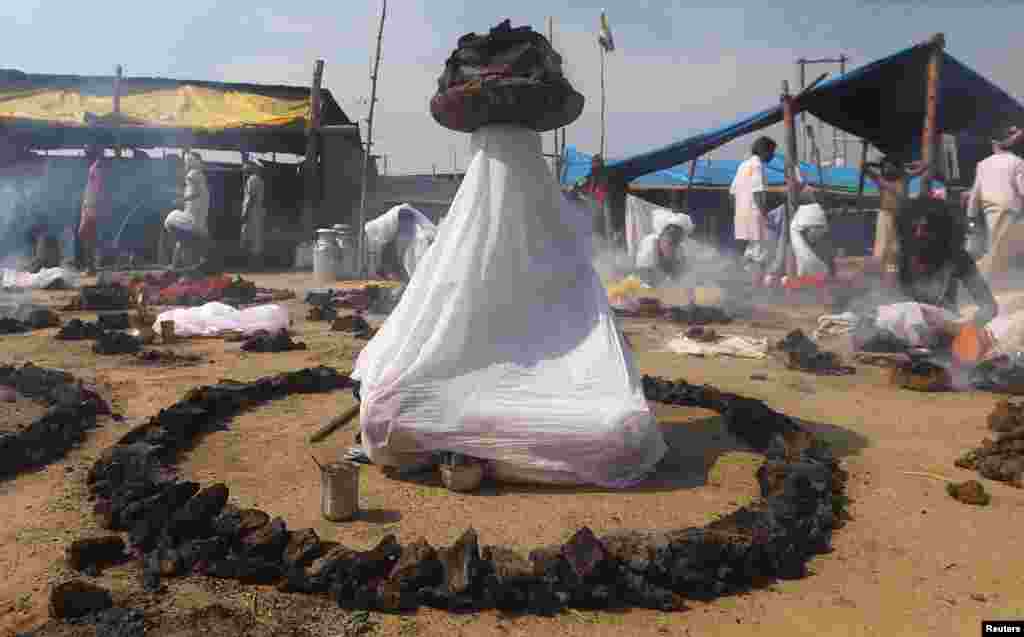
point(503, 346)
point(731, 346)
point(836, 325)
point(917, 324)
point(215, 318)
point(807, 216)
point(38, 280)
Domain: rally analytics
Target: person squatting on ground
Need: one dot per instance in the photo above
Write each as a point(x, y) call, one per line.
point(254, 213)
point(661, 257)
point(95, 207)
point(811, 238)
point(188, 226)
point(933, 261)
point(998, 196)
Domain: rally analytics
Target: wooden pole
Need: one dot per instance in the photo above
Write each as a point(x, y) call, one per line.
point(860, 186)
point(802, 65)
point(334, 424)
point(312, 181)
point(782, 262)
point(361, 234)
point(689, 182)
point(118, 75)
point(554, 134)
point(600, 46)
point(816, 154)
point(931, 134)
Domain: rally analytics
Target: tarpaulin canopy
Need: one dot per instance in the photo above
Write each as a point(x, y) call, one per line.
point(719, 173)
point(882, 102)
point(692, 147)
point(52, 111)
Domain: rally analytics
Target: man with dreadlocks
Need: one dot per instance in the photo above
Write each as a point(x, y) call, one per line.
point(932, 265)
point(933, 262)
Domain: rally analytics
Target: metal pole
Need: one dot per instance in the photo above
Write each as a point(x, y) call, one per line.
point(600, 46)
point(361, 234)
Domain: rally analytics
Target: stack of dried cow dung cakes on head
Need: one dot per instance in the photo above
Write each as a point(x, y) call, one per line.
point(509, 76)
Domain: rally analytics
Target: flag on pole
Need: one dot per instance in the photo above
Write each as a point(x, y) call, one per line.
point(605, 37)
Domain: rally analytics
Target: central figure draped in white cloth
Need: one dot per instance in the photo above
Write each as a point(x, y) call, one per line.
point(504, 347)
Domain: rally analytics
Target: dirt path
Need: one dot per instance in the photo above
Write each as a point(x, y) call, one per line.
point(912, 561)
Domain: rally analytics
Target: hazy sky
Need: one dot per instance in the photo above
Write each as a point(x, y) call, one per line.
point(678, 69)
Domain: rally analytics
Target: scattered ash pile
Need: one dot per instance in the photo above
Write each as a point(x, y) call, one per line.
point(804, 354)
point(1001, 459)
point(697, 314)
point(166, 357)
point(263, 341)
point(354, 325)
point(107, 331)
point(73, 411)
point(1002, 374)
point(921, 374)
point(102, 298)
point(176, 527)
point(970, 492)
point(325, 302)
point(26, 317)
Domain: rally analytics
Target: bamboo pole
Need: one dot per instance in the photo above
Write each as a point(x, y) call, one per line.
point(334, 424)
point(118, 76)
point(782, 262)
point(361, 234)
point(312, 151)
point(931, 132)
point(860, 185)
point(601, 47)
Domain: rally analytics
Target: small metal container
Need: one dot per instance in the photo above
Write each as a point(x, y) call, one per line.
point(339, 491)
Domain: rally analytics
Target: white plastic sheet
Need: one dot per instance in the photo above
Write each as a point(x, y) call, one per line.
point(39, 280)
point(213, 319)
point(504, 347)
point(917, 324)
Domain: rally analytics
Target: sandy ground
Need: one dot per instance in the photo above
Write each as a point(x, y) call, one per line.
point(912, 561)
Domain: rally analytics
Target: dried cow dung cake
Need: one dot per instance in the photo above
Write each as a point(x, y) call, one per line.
point(509, 76)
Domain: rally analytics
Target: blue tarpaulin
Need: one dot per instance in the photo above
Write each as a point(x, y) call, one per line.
point(882, 102)
point(720, 173)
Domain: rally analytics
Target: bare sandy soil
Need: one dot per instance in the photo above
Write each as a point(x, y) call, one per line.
point(912, 561)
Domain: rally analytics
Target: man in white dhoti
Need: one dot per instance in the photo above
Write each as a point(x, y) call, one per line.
point(998, 197)
point(254, 212)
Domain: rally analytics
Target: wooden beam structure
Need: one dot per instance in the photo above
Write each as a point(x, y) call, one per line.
point(931, 135)
point(311, 167)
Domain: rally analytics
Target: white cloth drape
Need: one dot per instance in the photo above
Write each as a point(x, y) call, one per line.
point(503, 346)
